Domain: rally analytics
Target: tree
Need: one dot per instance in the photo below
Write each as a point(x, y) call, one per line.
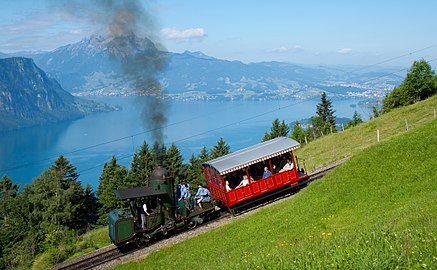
point(159, 153)
point(71, 195)
point(325, 112)
point(356, 120)
point(220, 149)
point(195, 174)
point(278, 129)
point(315, 128)
point(112, 178)
point(91, 204)
point(419, 84)
point(143, 162)
point(298, 133)
point(204, 154)
point(8, 191)
point(66, 170)
point(173, 162)
point(375, 112)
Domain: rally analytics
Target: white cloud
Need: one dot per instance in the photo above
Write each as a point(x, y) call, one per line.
point(283, 49)
point(345, 51)
point(191, 34)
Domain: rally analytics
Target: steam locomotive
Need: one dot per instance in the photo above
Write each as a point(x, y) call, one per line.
point(168, 214)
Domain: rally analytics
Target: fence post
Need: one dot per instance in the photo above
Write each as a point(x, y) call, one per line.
point(306, 141)
point(406, 123)
point(331, 129)
point(377, 135)
point(342, 127)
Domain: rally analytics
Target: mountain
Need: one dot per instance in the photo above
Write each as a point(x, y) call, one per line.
point(89, 67)
point(29, 97)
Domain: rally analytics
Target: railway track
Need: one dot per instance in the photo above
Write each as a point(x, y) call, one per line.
point(99, 258)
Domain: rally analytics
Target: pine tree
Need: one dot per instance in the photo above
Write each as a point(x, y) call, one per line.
point(278, 129)
point(72, 196)
point(66, 170)
point(204, 154)
point(298, 133)
point(112, 178)
point(159, 152)
point(326, 114)
point(173, 162)
point(220, 149)
point(91, 204)
point(8, 191)
point(143, 163)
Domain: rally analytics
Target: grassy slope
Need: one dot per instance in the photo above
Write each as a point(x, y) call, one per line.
point(378, 210)
point(86, 243)
point(337, 146)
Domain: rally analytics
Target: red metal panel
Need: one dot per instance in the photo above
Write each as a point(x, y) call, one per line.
point(278, 179)
point(255, 187)
point(247, 191)
point(232, 197)
point(239, 193)
point(263, 184)
point(270, 182)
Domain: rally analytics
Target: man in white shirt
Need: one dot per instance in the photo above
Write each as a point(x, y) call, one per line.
point(288, 166)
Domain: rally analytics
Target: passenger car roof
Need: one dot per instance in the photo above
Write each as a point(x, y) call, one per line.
point(253, 154)
point(136, 192)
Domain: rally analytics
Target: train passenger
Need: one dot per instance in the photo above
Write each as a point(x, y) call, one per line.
point(202, 195)
point(288, 166)
point(185, 192)
point(228, 188)
point(178, 190)
point(144, 212)
point(266, 173)
point(243, 182)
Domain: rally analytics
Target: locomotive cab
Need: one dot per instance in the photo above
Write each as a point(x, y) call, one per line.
point(125, 224)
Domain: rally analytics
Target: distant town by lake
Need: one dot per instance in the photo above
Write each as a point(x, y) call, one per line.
point(91, 141)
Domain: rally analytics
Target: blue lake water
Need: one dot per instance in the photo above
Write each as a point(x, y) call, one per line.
point(91, 141)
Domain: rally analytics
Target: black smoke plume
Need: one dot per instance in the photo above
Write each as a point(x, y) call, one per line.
point(131, 39)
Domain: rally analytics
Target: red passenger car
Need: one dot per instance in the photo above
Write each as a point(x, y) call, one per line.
point(250, 164)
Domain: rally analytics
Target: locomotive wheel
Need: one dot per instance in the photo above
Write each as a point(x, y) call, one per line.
point(140, 240)
point(192, 224)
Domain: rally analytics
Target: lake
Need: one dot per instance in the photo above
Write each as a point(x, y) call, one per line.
point(91, 141)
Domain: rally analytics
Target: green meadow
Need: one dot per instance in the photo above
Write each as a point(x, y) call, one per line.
point(345, 144)
point(376, 211)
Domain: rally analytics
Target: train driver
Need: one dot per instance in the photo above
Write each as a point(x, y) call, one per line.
point(144, 212)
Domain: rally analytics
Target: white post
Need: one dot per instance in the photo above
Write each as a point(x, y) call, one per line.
point(306, 141)
point(331, 129)
point(342, 127)
point(377, 135)
point(322, 133)
point(406, 123)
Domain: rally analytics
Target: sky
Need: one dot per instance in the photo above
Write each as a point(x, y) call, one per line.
point(359, 32)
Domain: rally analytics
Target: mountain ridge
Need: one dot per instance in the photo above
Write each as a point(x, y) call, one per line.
point(29, 97)
point(87, 68)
